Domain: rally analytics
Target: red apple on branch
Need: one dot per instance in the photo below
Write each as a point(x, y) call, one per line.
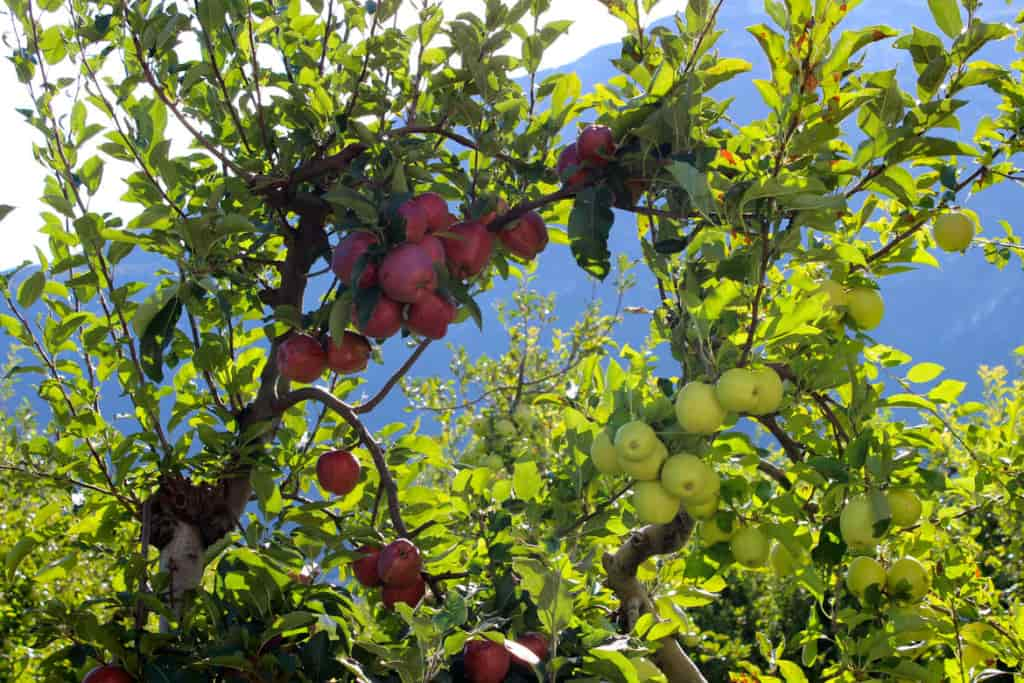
point(399, 563)
point(301, 358)
point(485, 661)
point(350, 355)
point(430, 317)
point(469, 249)
point(337, 472)
point(527, 237)
point(365, 568)
point(407, 273)
point(410, 594)
point(108, 674)
point(414, 218)
point(435, 247)
point(536, 643)
point(435, 208)
point(567, 160)
point(595, 145)
point(347, 254)
point(385, 320)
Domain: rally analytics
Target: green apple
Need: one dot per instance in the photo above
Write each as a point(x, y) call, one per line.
point(865, 307)
point(647, 469)
point(768, 387)
point(635, 440)
point(837, 296)
point(782, 561)
point(698, 410)
point(856, 524)
point(750, 547)
point(711, 533)
point(659, 409)
point(736, 390)
point(604, 455)
point(688, 477)
point(953, 231)
point(653, 504)
point(481, 426)
point(703, 510)
point(907, 579)
point(905, 507)
point(864, 572)
point(505, 427)
point(494, 462)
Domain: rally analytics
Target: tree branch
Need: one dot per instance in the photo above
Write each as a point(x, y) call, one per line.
point(393, 380)
point(794, 450)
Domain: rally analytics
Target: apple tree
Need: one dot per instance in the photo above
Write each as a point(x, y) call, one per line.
point(249, 203)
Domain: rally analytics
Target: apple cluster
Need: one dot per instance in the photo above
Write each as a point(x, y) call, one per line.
point(403, 278)
point(396, 568)
point(497, 435)
point(487, 661)
point(303, 358)
point(864, 306)
point(593, 149)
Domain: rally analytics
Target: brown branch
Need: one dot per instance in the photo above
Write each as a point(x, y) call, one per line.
point(393, 380)
point(348, 414)
point(326, 36)
point(454, 137)
point(597, 510)
point(147, 521)
point(621, 568)
point(776, 473)
point(794, 450)
point(220, 79)
point(826, 409)
point(692, 61)
point(755, 308)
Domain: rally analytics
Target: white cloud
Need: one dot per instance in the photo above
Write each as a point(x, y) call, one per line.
point(21, 178)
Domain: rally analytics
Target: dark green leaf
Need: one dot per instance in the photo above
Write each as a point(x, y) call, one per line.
point(590, 225)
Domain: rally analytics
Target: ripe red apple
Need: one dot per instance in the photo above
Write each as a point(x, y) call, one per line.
point(485, 661)
point(348, 252)
point(569, 158)
point(536, 643)
point(436, 210)
point(407, 273)
point(500, 207)
point(350, 356)
point(108, 674)
point(399, 563)
point(469, 251)
point(415, 219)
point(365, 568)
point(385, 319)
point(338, 472)
point(435, 247)
point(595, 144)
point(430, 317)
point(301, 358)
point(527, 237)
point(410, 594)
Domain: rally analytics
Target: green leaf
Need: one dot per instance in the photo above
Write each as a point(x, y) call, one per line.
point(695, 184)
point(340, 315)
point(31, 289)
point(947, 16)
point(19, 552)
point(924, 372)
point(590, 225)
point(4, 210)
point(526, 480)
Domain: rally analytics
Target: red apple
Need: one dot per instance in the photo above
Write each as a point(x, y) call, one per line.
point(436, 210)
point(407, 273)
point(469, 251)
point(435, 247)
point(301, 358)
point(108, 674)
point(430, 317)
point(527, 237)
point(385, 319)
point(410, 594)
point(399, 563)
point(348, 252)
point(485, 661)
point(338, 472)
point(568, 159)
point(350, 356)
point(365, 568)
point(595, 144)
point(537, 643)
point(414, 216)
point(500, 207)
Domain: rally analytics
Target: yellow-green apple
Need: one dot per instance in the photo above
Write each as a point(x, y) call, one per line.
point(905, 507)
point(468, 249)
point(907, 579)
point(750, 547)
point(485, 661)
point(659, 409)
point(505, 427)
point(865, 307)
point(856, 524)
point(410, 593)
point(347, 254)
point(604, 455)
point(399, 563)
point(301, 358)
point(494, 462)
point(337, 472)
point(711, 533)
point(863, 572)
point(953, 231)
point(407, 273)
point(698, 410)
point(736, 390)
point(635, 440)
point(365, 566)
point(350, 355)
point(688, 477)
point(837, 295)
point(595, 145)
point(782, 561)
point(430, 316)
point(703, 510)
point(647, 469)
point(526, 237)
point(768, 387)
point(653, 504)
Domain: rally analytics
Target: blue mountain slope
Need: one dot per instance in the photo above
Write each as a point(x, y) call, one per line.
point(961, 316)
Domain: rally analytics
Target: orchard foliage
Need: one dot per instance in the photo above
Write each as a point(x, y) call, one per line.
point(162, 509)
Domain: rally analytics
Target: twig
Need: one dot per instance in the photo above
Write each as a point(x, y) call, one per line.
point(597, 510)
point(755, 308)
point(140, 606)
point(794, 450)
point(692, 61)
point(393, 380)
